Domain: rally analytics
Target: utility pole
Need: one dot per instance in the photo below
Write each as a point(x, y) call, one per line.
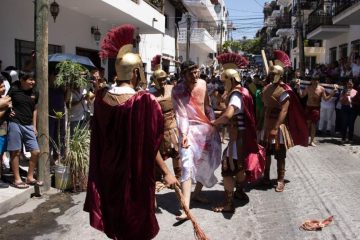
point(188, 35)
point(221, 37)
point(300, 39)
point(41, 48)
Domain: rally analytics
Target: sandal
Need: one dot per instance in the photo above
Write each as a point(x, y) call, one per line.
point(20, 185)
point(280, 186)
point(34, 182)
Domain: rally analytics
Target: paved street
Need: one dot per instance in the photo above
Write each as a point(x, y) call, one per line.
point(322, 181)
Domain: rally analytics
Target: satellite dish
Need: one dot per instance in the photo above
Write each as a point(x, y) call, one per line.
point(217, 8)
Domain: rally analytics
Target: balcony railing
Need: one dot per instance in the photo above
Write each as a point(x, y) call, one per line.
point(284, 21)
point(157, 4)
point(322, 15)
point(197, 36)
point(341, 5)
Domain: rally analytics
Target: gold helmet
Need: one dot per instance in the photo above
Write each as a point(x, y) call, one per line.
point(118, 44)
point(278, 72)
point(158, 72)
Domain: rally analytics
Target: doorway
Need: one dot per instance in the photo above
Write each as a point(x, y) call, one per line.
point(90, 53)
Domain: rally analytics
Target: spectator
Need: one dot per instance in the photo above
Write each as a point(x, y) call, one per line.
point(355, 67)
point(349, 113)
point(327, 111)
point(5, 103)
point(79, 109)
point(22, 128)
point(56, 126)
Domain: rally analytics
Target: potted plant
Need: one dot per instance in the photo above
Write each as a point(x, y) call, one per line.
point(76, 155)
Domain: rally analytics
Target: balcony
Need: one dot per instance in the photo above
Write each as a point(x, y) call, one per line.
point(156, 4)
point(283, 21)
point(346, 12)
point(320, 24)
point(115, 12)
point(202, 9)
point(198, 37)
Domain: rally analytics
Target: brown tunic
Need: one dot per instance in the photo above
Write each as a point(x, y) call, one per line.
point(170, 141)
point(272, 104)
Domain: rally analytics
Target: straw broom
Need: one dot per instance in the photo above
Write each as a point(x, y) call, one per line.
point(198, 232)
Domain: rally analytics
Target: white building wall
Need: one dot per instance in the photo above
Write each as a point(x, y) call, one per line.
point(353, 34)
point(70, 30)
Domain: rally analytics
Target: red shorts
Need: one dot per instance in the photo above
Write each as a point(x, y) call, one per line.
point(312, 114)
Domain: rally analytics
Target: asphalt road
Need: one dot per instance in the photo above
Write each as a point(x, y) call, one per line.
point(321, 181)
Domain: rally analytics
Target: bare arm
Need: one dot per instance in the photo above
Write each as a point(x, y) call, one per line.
point(225, 117)
point(283, 113)
point(169, 177)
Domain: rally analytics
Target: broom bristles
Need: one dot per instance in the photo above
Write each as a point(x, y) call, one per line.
point(198, 232)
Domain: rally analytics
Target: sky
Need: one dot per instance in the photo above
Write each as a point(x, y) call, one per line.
point(247, 17)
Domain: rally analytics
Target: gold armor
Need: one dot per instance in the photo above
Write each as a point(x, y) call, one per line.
point(126, 62)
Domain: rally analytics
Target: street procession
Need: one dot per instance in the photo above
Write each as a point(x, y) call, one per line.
point(180, 119)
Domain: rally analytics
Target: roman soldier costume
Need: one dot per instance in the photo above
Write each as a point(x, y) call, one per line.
point(278, 135)
point(169, 145)
point(243, 158)
point(127, 130)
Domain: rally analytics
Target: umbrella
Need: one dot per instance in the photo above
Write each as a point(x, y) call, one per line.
point(60, 57)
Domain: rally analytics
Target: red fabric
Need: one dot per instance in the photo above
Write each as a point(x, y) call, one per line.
point(121, 187)
point(296, 120)
point(312, 114)
point(255, 155)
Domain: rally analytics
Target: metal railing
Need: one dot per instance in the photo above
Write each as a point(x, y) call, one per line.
point(341, 5)
point(322, 15)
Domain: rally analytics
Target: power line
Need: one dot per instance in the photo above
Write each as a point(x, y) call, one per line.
point(258, 3)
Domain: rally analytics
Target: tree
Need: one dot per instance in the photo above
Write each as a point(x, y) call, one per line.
point(252, 46)
point(234, 46)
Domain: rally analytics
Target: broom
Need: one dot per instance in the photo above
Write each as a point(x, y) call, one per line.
point(198, 232)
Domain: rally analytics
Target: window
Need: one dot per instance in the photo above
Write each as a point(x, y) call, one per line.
point(343, 50)
point(310, 62)
point(166, 21)
point(332, 54)
point(24, 50)
point(356, 46)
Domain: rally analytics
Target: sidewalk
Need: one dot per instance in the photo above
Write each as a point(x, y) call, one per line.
point(13, 197)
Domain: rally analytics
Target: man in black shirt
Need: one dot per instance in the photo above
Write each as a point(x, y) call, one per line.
point(22, 128)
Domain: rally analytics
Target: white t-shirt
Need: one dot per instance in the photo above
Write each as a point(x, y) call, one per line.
point(122, 90)
point(236, 101)
point(355, 69)
point(328, 104)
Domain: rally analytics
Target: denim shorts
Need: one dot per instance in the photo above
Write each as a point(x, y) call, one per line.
point(3, 143)
point(21, 134)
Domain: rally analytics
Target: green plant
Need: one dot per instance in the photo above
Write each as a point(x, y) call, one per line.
point(72, 76)
point(78, 157)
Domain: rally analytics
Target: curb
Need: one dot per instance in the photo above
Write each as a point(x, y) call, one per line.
point(12, 197)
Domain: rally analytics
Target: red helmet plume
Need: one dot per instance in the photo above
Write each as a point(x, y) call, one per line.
point(115, 39)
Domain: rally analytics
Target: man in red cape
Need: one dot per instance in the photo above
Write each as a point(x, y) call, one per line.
point(243, 156)
point(127, 130)
point(284, 124)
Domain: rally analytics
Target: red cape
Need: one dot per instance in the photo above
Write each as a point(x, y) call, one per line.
point(121, 187)
point(296, 120)
point(255, 153)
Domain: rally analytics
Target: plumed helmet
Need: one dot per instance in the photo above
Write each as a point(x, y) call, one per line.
point(230, 62)
point(118, 43)
point(278, 72)
point(158, 72)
